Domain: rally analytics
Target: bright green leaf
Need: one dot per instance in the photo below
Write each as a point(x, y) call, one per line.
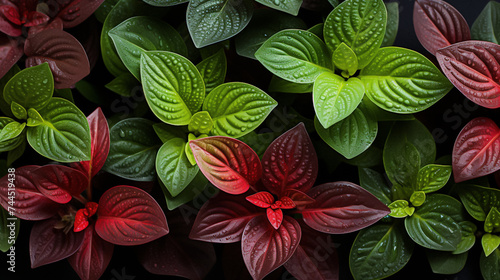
point(213, 70)
point(6, 228)
point(399, 209)
point(201, 123)
point(18, 111)
point(487, 27)
point(492, 222)
point(490, 243)
point(34, 118)
point(288, 6)
point(381, 115)
point(417, 198)
point(344, 58)
point(446, 262)
point(375, 183)
point(195, 188)
point(392, 23)
point(10, 144)
point(433, 177)
point(479, 200)
point(11, 131)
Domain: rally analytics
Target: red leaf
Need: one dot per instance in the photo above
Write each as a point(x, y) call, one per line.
point(315, 258)
point(75, 12)
point(99, 133)
point(261, 199)
point(82, 216)
point(29, 203)
point(66, 57)
point(36, 18)
point(91, 260)
point(275, 217)
point(48, 245)
point(284, 203)
point(54, 24)
point(476, 150)
point(228, 164)
point(299, 198)
point(290, 162)
point(9, 20)
point(474, 68)
point(59, 182)
point(129, 216)
point(11, 50)
point(264, 248)
point(438, 24)
point(342, 207)
point(223, 218)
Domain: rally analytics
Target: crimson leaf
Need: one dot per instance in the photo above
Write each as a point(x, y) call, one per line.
point(342, 207)
point(59, 182)
point(129, 216)
point(261, 199)
point(11, 50)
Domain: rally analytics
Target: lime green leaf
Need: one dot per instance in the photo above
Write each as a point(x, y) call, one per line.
point(417, 198)
point(492, 222)
point(490, 266)
point(403, 81)
point(166, 132)
point(400, 209)
point(212, 21)
point(201, 123)
point(139, 34)
point(124, 85)
point(295, 55)
point(334, 98)
point(375, 183)
point(173, 167)
point(213, 70)
point(6, 228)
point(173, 87)
point(237, 108)
point(446, 262)
point(4, 106)
point(433, 177)
point(468, 230)
point(18, 110)
point(486, 27)
point(34, 118)
point(479, 200)
point(392, 23)
point(344, 58)
point(64, 135)
point(132, 151)
point(11, 131)
point(381, 115)
point(288, 6)
point(360, 24)
point(10, 144)
point(490, 243)
point(30, 88)
point(195, 188)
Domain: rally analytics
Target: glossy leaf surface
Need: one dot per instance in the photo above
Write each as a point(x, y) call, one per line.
point(13, 52)
point(213, 70)
point(60, 183)
point(392, 23)
point(486, 27)
point(490, 265)
point(478, 200)
point(433, 177)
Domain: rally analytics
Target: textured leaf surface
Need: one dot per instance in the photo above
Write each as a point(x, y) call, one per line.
point(446, 262)
point(10, 144)
point(403, 81)
point(375, 183)
point(392, 23)
point(433, 177)
point(438, 24)
point(213, 70)
point(12, 51)
point(192, 190)
point(129, 216)
point(60, 183)
point(486, 27)
point(288, 6)
point(237, 108)
point(490, 243)
point(478, 200)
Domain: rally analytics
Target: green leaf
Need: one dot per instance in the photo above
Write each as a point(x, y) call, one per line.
point(400, 209)
point(30, 88)
point(173, 167)
point(65, 93)
point(381, 115)
point(91, 92)
point(18, 111)
point(316, 29)
point(379, 251)
point(433, 177)
point(213, 70)
point(351, 136)
point(34, 118)
point(4, 106)
point(492, 222)
point(479, 200)
point(434, 225)
point(446, 262)
point(401, 192)
point(392, 23)
point(258, 141)
point(11, 130)
point(490, 243)
point(334, 98)
point(64, 135)
point(369, 158)
point(165, 3)
point(212, 21)
point(490, 266)
point(281, 85)
point(468, 230)
point(486, 27)
point(10, 144)
point(360, 24)
point(173, 87)
point(375, 183)
point(401, 161)
point(139, 34)
point(201, 123)
point(295, 55)
point(288, 6)
point(403, 81)
point(8, 227)
point(264, 24)
point(344, 58)
point(417, 198)
point(237, 108)
point(195, 188)
point(124, 85)
point(166, 132)
point(133, 149)
point(102, 12)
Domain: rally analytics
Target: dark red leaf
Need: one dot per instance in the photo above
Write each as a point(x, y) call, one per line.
point(284, 203)
point(99, 133)
point(36, 18)
point(438, 24)
point(75, 12)
point(223, 218)
point(299, 198)
point(10, 22)
point(342, 207)
point(54, 24)
point(59, 182)
point(82, 216)
point(264, 248)
point(474, 68)
point(129, 216)
point(91, 260)
point(261, 199)
point(476, 150)
point(228, 164)
point(28, 202)
point(275, 217)
point(66, 57)
point(315, 258)
point(11, 50)
point(290, 162)
point(48, 245)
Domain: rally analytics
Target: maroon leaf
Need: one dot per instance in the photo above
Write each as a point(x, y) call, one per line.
point(75, 12)
point(264, 248)
point(290, 162)
point(129, 216)
point(476, 150)
point(228, 164)
point(27, 201)
point(315, 258)
point(342, 207)
point(474, 68)
point(48, 245)
point(10, 22)
point(59, 183)
point(54, 24)
point(66, 57)
point(223, 218)
point(11, 50)
point(275, 217)
point(91, 260)
point(438, 24)
point(99, 133)
point(261, 199)
point(299, 198)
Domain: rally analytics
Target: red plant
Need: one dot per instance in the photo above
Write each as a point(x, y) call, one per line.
point(281, 185)
point(51, 195)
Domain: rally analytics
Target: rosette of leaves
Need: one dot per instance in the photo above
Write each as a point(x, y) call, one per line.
point(263, 202)
point(350, 68)
point(53, 126)
point(418, 215)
